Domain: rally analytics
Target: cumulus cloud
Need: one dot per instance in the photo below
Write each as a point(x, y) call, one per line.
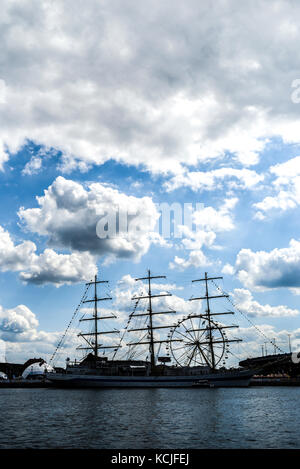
point(197, 239)
point(286, 186)
point(228, 269)
point(21, 338)
point(287, 170)
point(33, 166)
point(159, 87)
point(216, 179)
point(69, 215)
point(20, 325)
point(47, 267)
point(217, 220)
point(252, 340)
point(17, 320)
point(60, 269)
point(15, 257)
point(209, 222)
point(274, 269)
point(245, 302)
point(195, 258)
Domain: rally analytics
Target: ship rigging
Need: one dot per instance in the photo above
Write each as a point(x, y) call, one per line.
point(196, 345)
point(196, 349)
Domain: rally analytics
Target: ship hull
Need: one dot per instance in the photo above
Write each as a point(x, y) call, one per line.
point(215, 380)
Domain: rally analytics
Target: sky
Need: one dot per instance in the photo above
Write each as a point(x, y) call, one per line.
point(126, 105)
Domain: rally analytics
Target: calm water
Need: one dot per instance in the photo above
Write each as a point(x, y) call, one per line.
point(150, 418)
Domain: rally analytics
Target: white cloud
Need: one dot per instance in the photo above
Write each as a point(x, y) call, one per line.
point(4, 157)
point(208, 223)
point(47, 267)
point(215, 179)
point(165, 286)
point(228, 269)
point(195, 259)
point(14, 257)
point(17, 320)
point(287, 170)
point(60, 269)
point(68, 215)
point(19, 329)
point(253, 341)
point(245, 302)
point(33, 166)
point(197, 239)
point(274, 269)
point(2, 92)
point(217, 220)
point(286, 186)
point(127, 288)
point(160, 87)
point(283, 201)
point(21, 338)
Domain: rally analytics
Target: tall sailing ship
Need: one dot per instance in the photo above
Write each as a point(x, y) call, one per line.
point(195, 347)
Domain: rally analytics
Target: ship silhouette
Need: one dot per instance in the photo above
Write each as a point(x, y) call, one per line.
point(195, 348)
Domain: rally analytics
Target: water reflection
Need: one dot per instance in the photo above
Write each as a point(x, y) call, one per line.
point(150, 418)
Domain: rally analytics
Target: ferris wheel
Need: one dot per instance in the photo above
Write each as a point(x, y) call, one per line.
point(192, 339)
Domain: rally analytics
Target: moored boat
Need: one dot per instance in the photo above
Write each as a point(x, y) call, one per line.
point(196, 347)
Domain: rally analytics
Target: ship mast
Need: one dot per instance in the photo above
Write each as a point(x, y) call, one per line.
point(92, 337)
point(96, 318)
point(150, 313)
point(208, 315)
